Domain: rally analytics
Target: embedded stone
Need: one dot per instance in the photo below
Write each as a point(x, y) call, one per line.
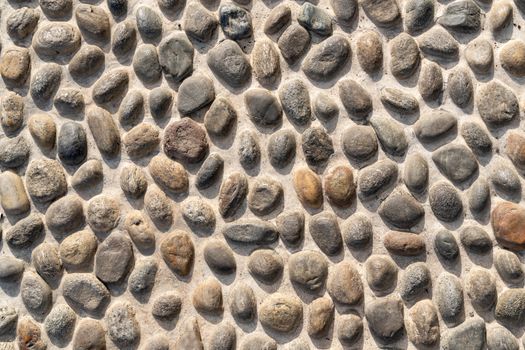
point(339, 185)
point(185, 140)
point(236, 22)
point(404, 56)
point(158, 206)
point(357, 231)
point(210, 171)
point(223, 337)
point(263, 108)
point(344, 10)
point(350, 329)
point(326, 233)
point(460, 87)
point(369, 51)
point(280, 312)
point(199, 23)
point(510, 307)
point(146, 64)
point(45, 82)
point(69, 101)
point(195, 93)
point(22, 22)
point(56, 39)
point(166, 306)
point(43, 130)
point(15, 66)
point(435, 125)
point(456, 162)
point(512, 57)
point(507, 223)
point(8, 321)
point(293, 42)
point(401, 210)
point(258, 341)
point(160, 101)
point(359, 142)
point(45, 180)
point(291, 227)
point(317, 146)
point(382, 13)
point(445, 201)
point(430, 84)
point(11, 269)
point(249, 151)
point(122, 325)
point(480, 56)
point(477, 138)
point(321, 312)
point(419, 15)
point(415, 281)
point(104, 131)
point(324, 107)
point(415, 174)
point(295, 101)
point(251, 231)
point(12, 117)
point(375, 178)
point(281, 148)
point(220, 118)
point(504, 178)
point(500, 16)
point(178, 252)
point(89, 335)
point(46, 261)
point(35, 294)
point(93, 22)
point(437, 44)
point(232, 193)
point(308, 269)
point(277, 19)
point(463, 16)
point(355, 99)
point(315, 19)
point(133, 181)
point(422, 324)
point(142, 278)
point(72, 143)
point(198, 214)
point(142, 140)
point(149, 23)
point(111, 86)
point(509, 267)
point(479, 195)
point(327, 59)
point(265, 62)
point(446, 245)
point(29, 335)
point(480, 286)
point(243, 305)
point(60, 323)
point(497, 104)
point(77, 250)
point(124, 38)
point(139, 230)
point(385, 318)
point(25, 232)
point(390, 134)
point(449, 298)
point(219, 257)
point(344, 284)
point(228, 62)
point(404, 243)
point(103, 213)
point(14, 152)
point(207, 296)
point(266, 265)
point(14, 199)
point(381, 273)
point(399, 101)
point(501, 338)
point(264, 196)
point(114, 258)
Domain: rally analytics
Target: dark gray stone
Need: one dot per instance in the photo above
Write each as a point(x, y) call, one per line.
point(22, 22)
point(327, 59)
point(124, 38)
point(294, 42)
point(87, 62)
point(315, 19)
point(324, 107)
point(199, 23)
point(385, 318)
point(72, 143)
point(228, 62)
point(281, 148)
point(220, 117)
point(249, 151)
point(446, 245)
point(160, 101)
point(69, 101)
point(142, 278)
point(375, 178)
point(326, 233)
point(359, 142)
point(390, 134)
point(404, 56)
point(210, 171)
point(265, 195)
point(475, 239)
point(456, 162)
point(356, 100)
point(252, 231)
point(317, 146)
point(291, 227)
point(419, 15)
point(108, 268)
point(381, 273)
point(236, 22)
point(415, 173)
point(416, 280)
point(448, 296)
point(11, 269)
point(445, 201)
point(295, 101)
point(263, 107)
point(401, 210)
point(462, 16)
point(149, 23)
point(243, 305)
point(509, 267)
point(277, 19)
point(460, 87)
point(479, 195)
point(111, 86)
point(176, 56)
point(438, 44)
point(146, 64)
point(195, 93)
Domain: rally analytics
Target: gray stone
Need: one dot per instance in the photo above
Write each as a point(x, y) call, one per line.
point(324, 107)
point(265, 265)
point(264, 196)
point(390, 134)
point(317, 146)
point(437, 44)
point(46, 261)
point(25, 232)
point(357, 231)
point(104, 131)
point(111, 86)
point(445, 201)
point(446, 245)
point(356, 100)
point(291, 227)
point(327, 59)
point(295, 101)
point(243, 305)
point(430, 84)
point(510, 307)
point(344, 284)
point(87, 175)
point(93, 22)
point(131, 108)
point(89, 335)
point(185, 140)
point(435, 125)
point(60, 323)
point(369, 51)
point(294, 42)
point(350, 329)
point(475, 239)
point(103, 213)
point(69, 102)
point(14, 152)
point(401, 210)
point(509, 267)
point(501, 338)
point(209, 172)
point(497, 104)
point(139, 230)
point(469, 335)
point(419, 15)
point(278, 18)
point(262, 107)
point(460, 87)
point(158, 206)
point(476, 137)
point(220, 118)
point(142, 278)
point(385, 318)
point(344, 10)
point(198, 214)
point(123, 328)
point(14, 199)
point(382, 13)
point(228, 62)
point(146, 64)
point(480, 56)
point(72, 145)
point(199, 23)
point(36, 294)
point(281, 148)
point(251, 231)
point(504, 178)
point(377, 177)
point(22, 22)
point(479, 195)
point(149, 23)
point(308, 269)
point(124, 38)
point(56, 39)
point(45, 180)
point(219, 257)
point(448, 296)
point(232, 193)
point(249, 151)
point(281, 312)
point(404, 56)
point(77, 250)
point(422, 324)
point(160, 101)
point(258, 341)
point(381, 273)
point(236, 22)
point(480, 286)
point(416, 280)
point(456, 162)
point(141, 141)
point(315, 19)
point(359, 142)
point(326, 233)
point(223, 337)
point(399, 101)
point(8, 321)
point(11, 269)
point(415, 173)
point(45, 82)
point(108, 268)
point(166, 306)
point(195, 93)
point(462, 16)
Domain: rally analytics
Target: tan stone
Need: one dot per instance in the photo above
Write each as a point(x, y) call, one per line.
point(168, 174)
point(344, 284)
point(308, 187)
point(15, 66)
point(512, 57)
point(320, 317)
point(178, 252)
point(339, 185)
point(280, 312)
point(422, 323)
point(515, 149)
point(508, 223)
point(14, 198)
point(404, 243)
point(43, 129)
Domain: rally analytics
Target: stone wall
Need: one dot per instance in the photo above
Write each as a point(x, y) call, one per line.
point(262, 174)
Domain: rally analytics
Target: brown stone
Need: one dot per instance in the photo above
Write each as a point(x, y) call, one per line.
point(185, 140)
point(344, 284)
point(207, 296)
point(280, 312)
point(15, 66)
point(320, 318)
point(178, 252)
point(404, 243)
point(370, 51)
point(308, 187)
point(168, 174)
point(512, 57)
point(29, 335)
point(515, 149)
point(508, 223)
point(339, 185)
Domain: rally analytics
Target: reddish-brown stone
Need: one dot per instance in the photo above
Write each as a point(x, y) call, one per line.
point(178, 252)
point(508, 223)
point(404, 243)
point(185, 140)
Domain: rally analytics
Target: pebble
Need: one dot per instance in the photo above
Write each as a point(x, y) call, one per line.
point(14, 152)
point(437, 44)
point(69, 102)
point(384, 13)
point(404, 243)
point(228, 62)
point(122, 325)
point(401, 210)
point(265, 265)
point(14, 199)
point(111, 86)
point(43, 130)
point(265, 196)
point(141, 141)
point(404, 56)
point(15, 66)
point(185, 140)
point(72, 144)
point(315, 19)
point(104, 131)
point(88, 174)
point(446, 245)
point(448, 296)
point(258, 341)
point(166, 306)
point(278, 18)
point(327, 59)
point(29, 335)
point(249, 151)
point(45, 180)
point(35, 294)
point(243, 305)
point(295, 101)
point(198, 23)
point(133, 181)
point(103, 213)
point(281, 312)
point(22, 23)
point(178, 252)
point(480, 286)
point(463, 16)
point(356, 100)
point(232, 194)
point(8, 321)
point(160, 342)
point(390, 134)
point(236, 22)
point(89, 335)
point(139, 230)
point(281, 148)
point(430, 84)
point(12, 117)
point(501, 338)
point(504, 178)
point(357, 231)
point(290, 225)
point(507, 224)
point(480, 56)
point(158, 206)
point(381, 273)
point(45, 82)
point(359, 142)
point(263, 107)
point(350, 329)
point(415, 174)
point(25, 232)
point(160, 102)
point(11, 269)
point(321, 313)
point(512, 57)
point(324, 107)
point(497, 104)
point(509, 267)
point(510, 307)
point(118, 7)
point(46, 261)
point(294, 42)
point(339, 185)
point(375, 178)
point(344, 284)
point(124, 38)
point(369, 47)
point(223, 337)
point(78, 249)
point(500, 16)
point(385, 318)
point(195, 93)
point(60, 323)
point(344, 10)
point(326, 233)
point(399, 101)
point(419, 15)
point(416, 280)
point(220, 118)
point(56, 39)
point(149, 23)
point(445, 201)
point(477, 138)
point(107, 268)
point(251, 231)
point(435, 125)
point(308, 269)
point(219, 257)
point(460, 87)
point(207, 296)
point(209, 172)
point(93, 22)
point(146, 64)
point(198, 214)
point(422, 324)
point(317, 146)
point(142, 278)
point(456, 162)
point(514, 146)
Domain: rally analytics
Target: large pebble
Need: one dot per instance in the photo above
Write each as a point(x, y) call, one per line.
point(85, 292)
point(382, 13)
point(11, 269)
point(236, 22)
point(228, 62)
point(480, 56)
point(45, 82)
point(146, 64)
point(178, 252)
point(15, 66)
point(219, 257)
point(22, 23)
point(251, 231)
point(103, 213)
point(399, 101)
point(356, 100)
point(501, 338)
point(326, 233)
point(69, 101)
point(293, 43)
point(124, 38)
point(249, 151)
point(350, 329)
point(435, 125)
point(509, 267)
point(46, 261)
point(315, 19)
point(264, 196)
point(77, 250)
point(56, 39)
point(375, 178)
point(321, 312)
point(419, 15)
point(422, 324)
point(460, 87)
point(243, 305)
point(308, 269)
point(199, 23)
point(446, 245)
point(359, 142)
point(290, 225)
point(265, 265)
point(166, 306)
point(507, 223)
point(94, 23)
point(430, 84)
point(456, 162)
point(404, 243)
point(111, 86)
point(497, 104)
point(281, 148)
point(295, 101)
point(133, 181)
point(277, 19)
point(401, 210)
point(149, 23)
point(60, 322)
point(327, 59)
point(385, 318)
point(344, 284)
point(369, 50)
point(415, 281)
point(477, 138)
point(280, 312)
point(232, 194)
point(14, 199)
point(463, 16)
point(89, 335)
point(437, 44)
point(220, 118)
point(139, 230)
point(29, 335)
point(185, 140)
point(25, 232)
point(339, 185)
point(445, 201)
point(381, 273)
point(391, 135)
point(449, 298)
point(12, 117)
point(14, 152)
point(263, 107)
point(35, 294)
point(210, 171)
point(510, 307)
point(480, 286)
point(404, 56)
point(195, 93)
point(265, 62)
point(168, 174)
point(114, 258)
point(104, 131)
point(158, 206)
point(415, 173)
point(123, 327)
point(45, 180)
point(357, 231)
point(72, 143)
point(207, 296)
